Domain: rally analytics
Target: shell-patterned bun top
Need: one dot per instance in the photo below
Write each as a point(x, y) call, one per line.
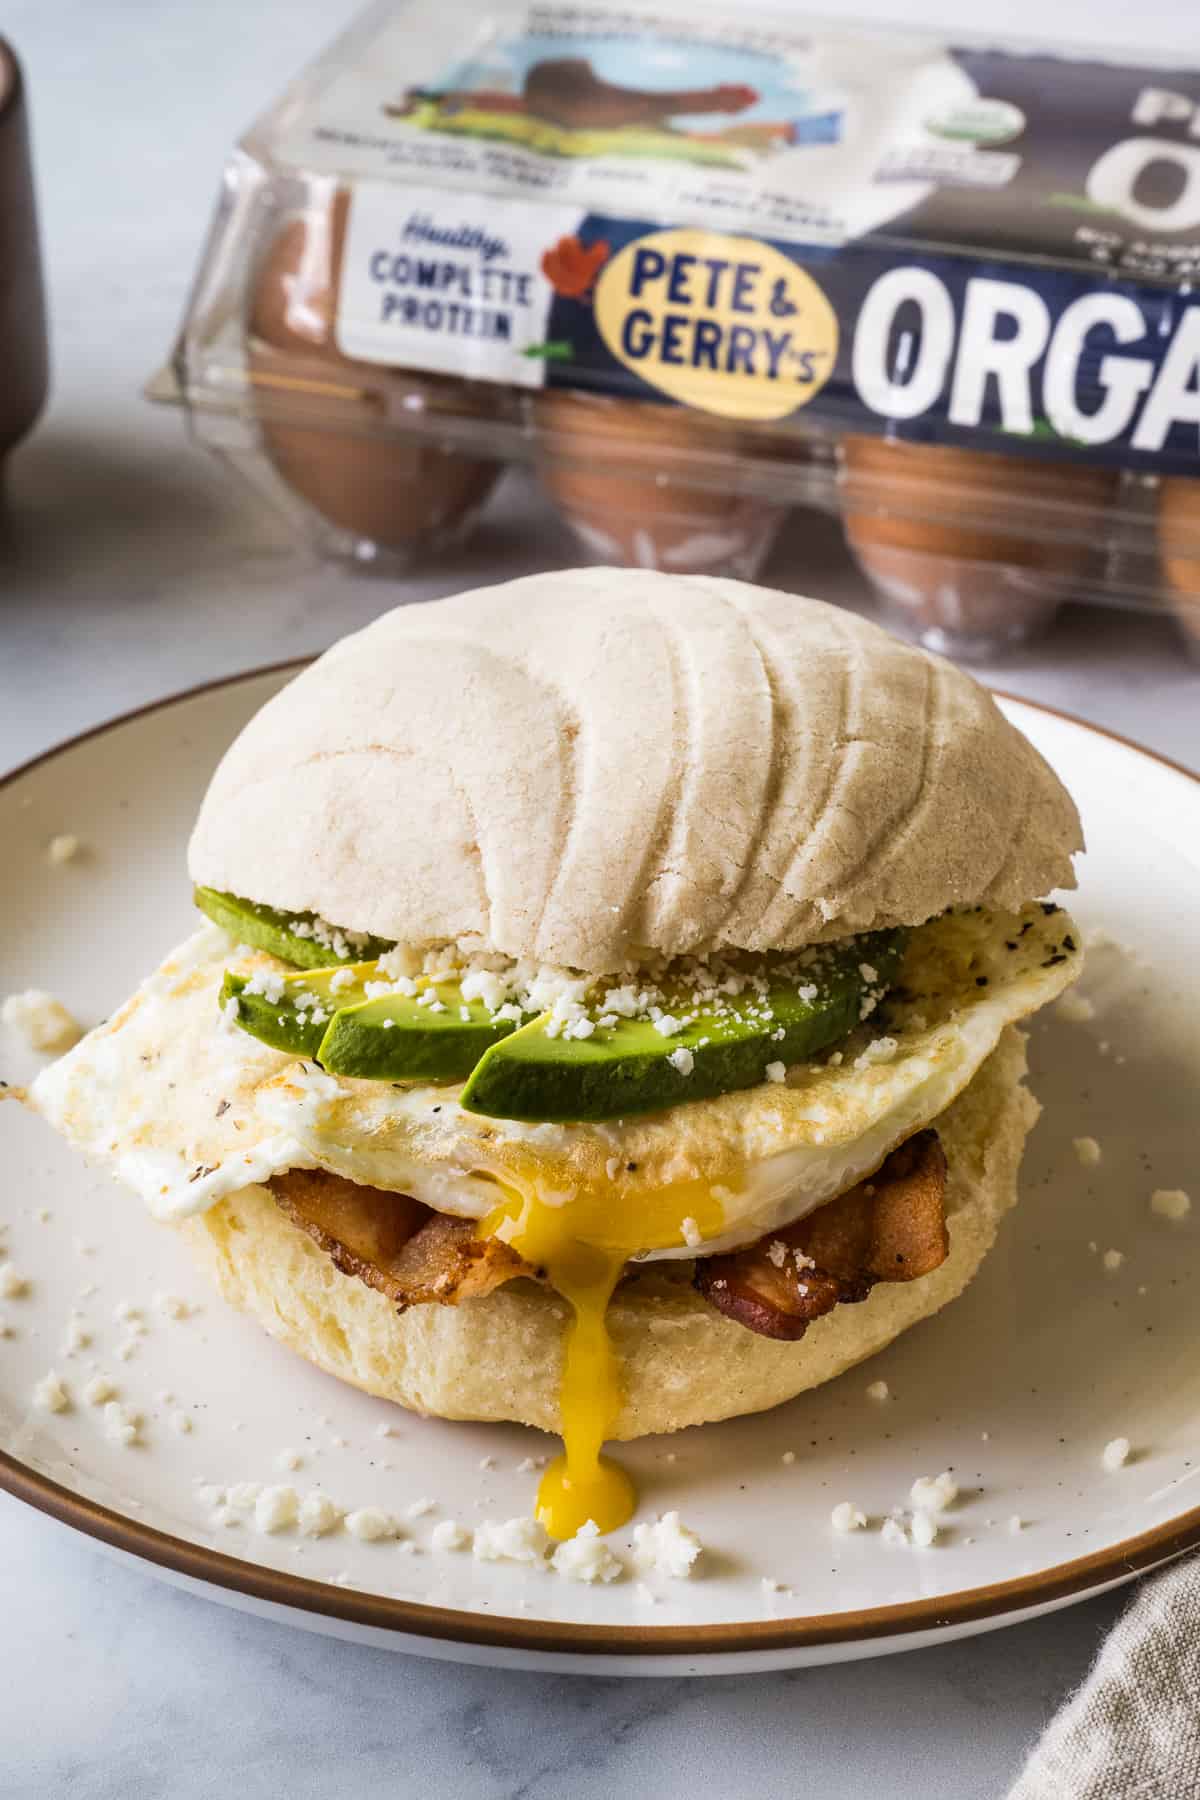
point(592, 767)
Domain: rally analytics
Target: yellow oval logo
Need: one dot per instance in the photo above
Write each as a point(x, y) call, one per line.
point(725, 324)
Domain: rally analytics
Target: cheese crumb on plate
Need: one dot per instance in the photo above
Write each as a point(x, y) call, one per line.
point(42, 1021)
point(448, 1534)
point(318, 1515)
point(371, 1525)
point(924, 1530)
point(50, 1395)
point(586, 1557)
point(934, 1493)
point(121, 1424)
point(13, 1286)
point(521, 1540)
point(1170, 1203)
point(666, 1547)
point(276, 1508)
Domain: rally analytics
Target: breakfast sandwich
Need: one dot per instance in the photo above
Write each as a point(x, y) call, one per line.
point(604, 1012)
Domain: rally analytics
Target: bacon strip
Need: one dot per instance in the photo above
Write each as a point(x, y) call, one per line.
point(892, 1228)
point(394, 1243)
point(888, 1229)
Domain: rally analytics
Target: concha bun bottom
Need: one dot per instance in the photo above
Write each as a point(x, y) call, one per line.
point(397, 493)
point(971, 549)
point(1179, 546)
point(500, 1357)
point(650, 486)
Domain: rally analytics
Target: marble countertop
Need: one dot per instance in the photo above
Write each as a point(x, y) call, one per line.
point(131, 569)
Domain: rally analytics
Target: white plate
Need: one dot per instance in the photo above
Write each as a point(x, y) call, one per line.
point(1017, 1387)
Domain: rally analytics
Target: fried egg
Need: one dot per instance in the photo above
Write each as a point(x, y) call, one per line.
point(184, 1107)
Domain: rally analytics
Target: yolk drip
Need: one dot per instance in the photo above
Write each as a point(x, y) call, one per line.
point(583, 1245)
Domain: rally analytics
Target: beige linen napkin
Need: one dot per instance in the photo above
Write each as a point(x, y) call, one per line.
point(1132, 1731)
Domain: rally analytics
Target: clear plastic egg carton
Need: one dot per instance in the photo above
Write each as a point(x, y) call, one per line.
point(695, 271)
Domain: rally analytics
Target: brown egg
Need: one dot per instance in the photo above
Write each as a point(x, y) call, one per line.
point(354, 463)
point(652, 486)
point(1179, 548)
point(973, 548)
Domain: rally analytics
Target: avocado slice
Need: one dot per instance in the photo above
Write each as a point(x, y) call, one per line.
point(630, 1067)
point(396, 1038)
point(265, 929)
point(288, 1020)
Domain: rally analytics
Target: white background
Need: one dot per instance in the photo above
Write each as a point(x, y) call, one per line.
point(133, 569)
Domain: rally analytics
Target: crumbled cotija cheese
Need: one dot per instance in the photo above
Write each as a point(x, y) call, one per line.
point(276, 1508)
point(894, 1534)
point(371, 1525)
point(682, 1060)
point(43, 1021)
point(846, 1517)
point(420, 1509)
point(318, 1515)
point(77, 1337)
point(512, 1540)
point(289, 1459)
point(1170, 1203)
point(1075, 1008)
point(50, 1394)
point(878, 1391)
point(1115, 1454)
point(268, 983)
point(99, 1389)
point(62, 849)
point(934, 1493)
point(448, 1534)
point(1087, 1151)
point(924, 1530)
point(122, 1424)
point(171, 1306)
point(667, 1547)
point(242, 1495)
point(776, 1071)
point(12, 1285)
point(586, 1557)
point(1112, 1260)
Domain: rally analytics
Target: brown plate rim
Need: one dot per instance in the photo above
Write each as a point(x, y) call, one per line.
point(196, 1562)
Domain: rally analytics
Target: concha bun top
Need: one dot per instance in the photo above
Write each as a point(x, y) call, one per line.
point(584, 767)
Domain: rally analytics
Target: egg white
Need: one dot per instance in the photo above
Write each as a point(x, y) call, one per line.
point(184, 1107)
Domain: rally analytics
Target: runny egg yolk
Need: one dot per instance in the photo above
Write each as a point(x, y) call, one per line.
point(583, 1243)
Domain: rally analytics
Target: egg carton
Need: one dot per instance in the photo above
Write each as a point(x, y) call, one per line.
point(694, 273)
